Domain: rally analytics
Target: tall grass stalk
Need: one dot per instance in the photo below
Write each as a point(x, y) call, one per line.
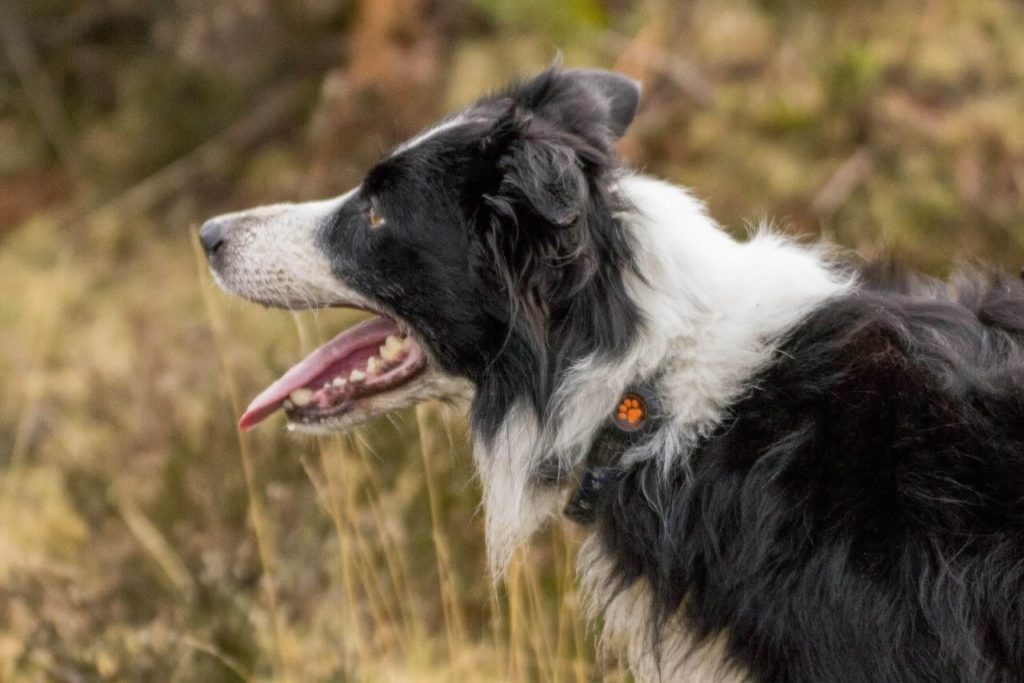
point(216, 320)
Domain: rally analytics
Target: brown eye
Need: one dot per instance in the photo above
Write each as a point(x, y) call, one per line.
point(375, 219)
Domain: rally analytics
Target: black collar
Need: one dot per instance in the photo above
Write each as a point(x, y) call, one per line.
point(582, 505)
point(624, 428)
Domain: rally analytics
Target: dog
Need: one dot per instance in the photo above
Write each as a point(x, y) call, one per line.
point(788, 466)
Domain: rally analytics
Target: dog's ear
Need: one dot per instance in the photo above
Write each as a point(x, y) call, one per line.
point(548, 177)
point(557, 128)
point(540, 169)
point(588, 102)
point(618, 95)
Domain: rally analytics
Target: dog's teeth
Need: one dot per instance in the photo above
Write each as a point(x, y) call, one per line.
point(301, 397)
point(356, 376)
point(326, 386)
point(394, 348)
point(288, 405)
point(373, 366)
point(339, 382)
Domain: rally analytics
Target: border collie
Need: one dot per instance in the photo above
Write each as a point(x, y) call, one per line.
point(787, 469)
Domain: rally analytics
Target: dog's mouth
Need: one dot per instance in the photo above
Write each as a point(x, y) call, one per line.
point(350, 374)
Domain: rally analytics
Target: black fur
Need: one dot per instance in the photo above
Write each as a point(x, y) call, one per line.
point(860, 516)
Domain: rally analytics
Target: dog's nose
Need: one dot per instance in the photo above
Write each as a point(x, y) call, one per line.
point(211, 236)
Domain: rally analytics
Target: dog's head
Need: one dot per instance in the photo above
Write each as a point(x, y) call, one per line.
point(488, 247)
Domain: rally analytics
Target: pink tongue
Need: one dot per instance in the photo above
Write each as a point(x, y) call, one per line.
point(313, 365)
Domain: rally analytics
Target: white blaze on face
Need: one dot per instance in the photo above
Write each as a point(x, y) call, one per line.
point(273, 255)
point(453, 122)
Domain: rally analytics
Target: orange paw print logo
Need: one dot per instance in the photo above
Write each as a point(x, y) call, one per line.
point(631, 412)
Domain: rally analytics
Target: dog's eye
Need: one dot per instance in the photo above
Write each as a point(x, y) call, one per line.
point(374, 218)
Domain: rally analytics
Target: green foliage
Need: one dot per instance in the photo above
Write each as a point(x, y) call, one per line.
point(558, 21)
point(851, 78)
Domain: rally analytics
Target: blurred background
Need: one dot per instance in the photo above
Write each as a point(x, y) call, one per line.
point(142, 538)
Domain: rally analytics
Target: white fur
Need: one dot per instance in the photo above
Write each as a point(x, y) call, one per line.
point(512, 510)
point(273, 256)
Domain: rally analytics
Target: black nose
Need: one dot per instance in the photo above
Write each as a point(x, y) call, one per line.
point(211, 236)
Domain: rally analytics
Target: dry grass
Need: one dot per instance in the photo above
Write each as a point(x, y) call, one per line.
point(143, 538)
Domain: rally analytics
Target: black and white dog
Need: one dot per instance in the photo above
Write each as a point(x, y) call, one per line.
point(789, 470)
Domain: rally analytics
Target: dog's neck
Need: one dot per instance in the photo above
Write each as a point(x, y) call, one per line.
point(716, 307)
point(712, 309)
